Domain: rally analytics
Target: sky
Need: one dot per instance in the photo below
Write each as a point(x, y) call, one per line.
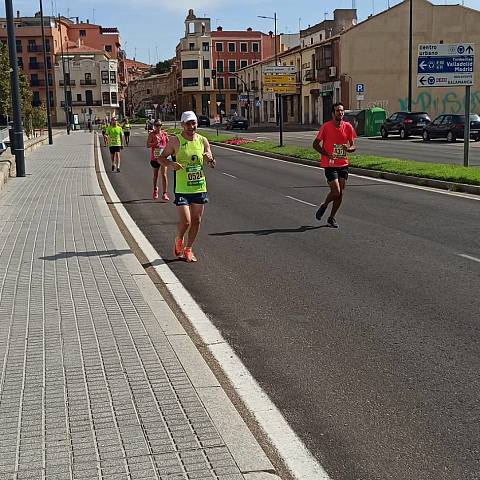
point(151, 29)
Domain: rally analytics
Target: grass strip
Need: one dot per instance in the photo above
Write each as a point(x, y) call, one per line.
point(437, 171)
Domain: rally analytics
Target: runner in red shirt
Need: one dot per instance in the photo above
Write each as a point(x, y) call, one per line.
point(157, 140)
point(334, 140)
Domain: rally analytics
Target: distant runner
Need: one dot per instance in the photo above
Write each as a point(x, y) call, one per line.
point(334, 140)
point(114, 135)
point(126, 130)
point(104, 132)
point(150, 123)
point(190, 150)
point(157, 141)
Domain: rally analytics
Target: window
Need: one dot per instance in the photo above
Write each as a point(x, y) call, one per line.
point(220, 66)
point(83, 33)
point(191, 46)
point(88, 77)
point(233, 107)
point(231, 46)
point(106, 98)
point(206, 64)
point(243, 47)
point(233, 97)
point(324, 56)
point(219, 47)
point(20, 62)
point(148, 91)
point(255, 47)
point(79, 97)
point(205, 46)
point(113, 76)
point(206, 81)
point(232, 81)
point(190, 82)
point(19, 45)
point(243, 63)
point(114, 98)
point(104, 77)
point(232, 65)
point(88, 97)
point(108, 48)
point(190, 64)
point(220, 84)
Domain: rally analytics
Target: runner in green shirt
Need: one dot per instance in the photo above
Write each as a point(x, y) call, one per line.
point(114, 135)
point(126, 130)
point(190, 151)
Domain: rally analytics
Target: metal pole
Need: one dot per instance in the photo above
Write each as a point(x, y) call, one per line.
point(64, 80)
point(466, 132)
point(45, 74)
point(278, 97)
point(410, 42)
point(16, 110)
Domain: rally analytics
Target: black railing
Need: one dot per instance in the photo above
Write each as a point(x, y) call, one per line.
point(35, 66)
point(37, 48)
point(92, 81)
point(40, 83)
point(83, 103)
point(69, 82)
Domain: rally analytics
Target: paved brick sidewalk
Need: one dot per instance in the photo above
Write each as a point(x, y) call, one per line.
point(90, 386)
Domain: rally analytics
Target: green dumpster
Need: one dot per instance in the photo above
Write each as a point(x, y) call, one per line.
point(374, 118)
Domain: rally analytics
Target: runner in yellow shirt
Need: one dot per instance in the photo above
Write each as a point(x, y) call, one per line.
point(126, 130)
point(114, 135)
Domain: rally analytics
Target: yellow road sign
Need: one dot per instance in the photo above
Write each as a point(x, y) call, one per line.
point(281, 89)
point(279, 79)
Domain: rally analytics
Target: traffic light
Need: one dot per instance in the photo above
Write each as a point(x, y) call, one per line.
point(214, 74)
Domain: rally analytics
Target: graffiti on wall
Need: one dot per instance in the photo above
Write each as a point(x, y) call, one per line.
point(378, 103)
point(451, 102)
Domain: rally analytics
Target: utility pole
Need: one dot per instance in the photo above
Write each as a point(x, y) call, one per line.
point(18, 146)
point(67, 116)
point(410, 46)
point(45, 74)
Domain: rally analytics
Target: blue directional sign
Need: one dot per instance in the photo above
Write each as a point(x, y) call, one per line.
point(442, 65)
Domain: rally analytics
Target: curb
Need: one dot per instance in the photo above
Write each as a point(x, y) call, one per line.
point(395, 177)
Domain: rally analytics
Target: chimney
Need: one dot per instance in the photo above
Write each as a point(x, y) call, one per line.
point(18, 13)
point(88, 21)
point(249, 29)
point(219, 29)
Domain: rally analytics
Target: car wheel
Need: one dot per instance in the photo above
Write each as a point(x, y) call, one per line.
point(425, 136)
point(403, 134)
point(450, 137)
point(383, 132)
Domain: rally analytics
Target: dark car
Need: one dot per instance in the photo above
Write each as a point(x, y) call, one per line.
point(236, 122)
point(203, 121)
point(451, 127)
point(405, 124)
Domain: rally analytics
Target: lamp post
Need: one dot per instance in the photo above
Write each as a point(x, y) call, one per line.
point(278, 98)
point(17, 143)
point(410, 42)
point(45, 74)
point(208, 102)
point(175, 114)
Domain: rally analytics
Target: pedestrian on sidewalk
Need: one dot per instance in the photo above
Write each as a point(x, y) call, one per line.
point(334, 140)
point(157, 140)
point(104, 132)
point(114, 135)
point(190, 150)
point(126, 130)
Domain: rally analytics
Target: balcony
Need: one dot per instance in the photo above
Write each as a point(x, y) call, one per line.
point(71, 83)
point(35, 66)
point(40, 83)
point(83, 103)
point(32, 48)
point(92, 81)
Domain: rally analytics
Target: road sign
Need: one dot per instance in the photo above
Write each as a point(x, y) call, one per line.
point(442, 65)
point(155, 105)
point(218, 103)
point(360, 88)
point(360, 97)
point(281, 89)
point(279, 79)
point(279, 69)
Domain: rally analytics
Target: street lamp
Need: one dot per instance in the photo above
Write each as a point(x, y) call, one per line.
point(278, 100)
point(208, 102)
point(45, 74)
point(410, 41)
point(175, 114)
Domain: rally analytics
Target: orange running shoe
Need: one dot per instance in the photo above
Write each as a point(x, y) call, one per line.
point(178, 249)
point(188, 254)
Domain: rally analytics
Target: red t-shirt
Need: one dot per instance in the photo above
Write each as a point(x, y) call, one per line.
point(160, 140)
point(333, 138)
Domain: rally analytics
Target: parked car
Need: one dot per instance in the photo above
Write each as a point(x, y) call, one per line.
point(203, 121)
point(451, 127)
point(236, 122)
point(405, 124)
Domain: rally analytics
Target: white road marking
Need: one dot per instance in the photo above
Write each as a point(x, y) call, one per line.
point(373, 179)
point(228, 175)
point(297, 458)
point(301, 201)
point(263, 138)
point(475, 259)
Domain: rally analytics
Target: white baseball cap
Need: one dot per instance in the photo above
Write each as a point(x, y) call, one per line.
point(188, 116)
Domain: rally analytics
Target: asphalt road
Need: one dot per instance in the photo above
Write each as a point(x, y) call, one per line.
point(414, 148)
point(365, 337)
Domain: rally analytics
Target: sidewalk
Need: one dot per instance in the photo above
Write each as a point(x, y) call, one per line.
point(98, 378)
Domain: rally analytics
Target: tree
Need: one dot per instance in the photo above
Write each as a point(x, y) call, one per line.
point(162, 67)
point(4, 81)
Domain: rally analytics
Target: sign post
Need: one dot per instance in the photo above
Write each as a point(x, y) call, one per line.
point(360, 89)
point(448, 65)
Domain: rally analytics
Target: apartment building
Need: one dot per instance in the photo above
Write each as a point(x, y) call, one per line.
point(87, 80)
